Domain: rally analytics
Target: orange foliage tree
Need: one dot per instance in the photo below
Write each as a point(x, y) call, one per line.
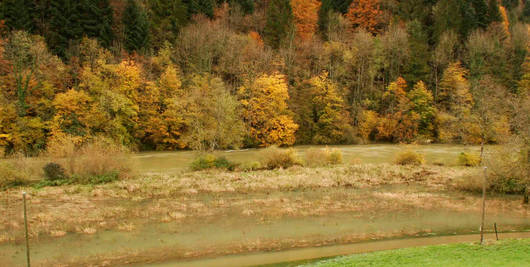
point(305, 13)
point(505, 21)
point(365, 14)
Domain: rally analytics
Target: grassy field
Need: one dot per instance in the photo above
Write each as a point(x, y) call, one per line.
point(174, 162)
point(502, 253)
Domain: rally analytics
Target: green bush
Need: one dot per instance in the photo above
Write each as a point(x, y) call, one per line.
point(409, 158)
point(468, 159)
point(210, 161)
point(54, 171)
point(274, 158)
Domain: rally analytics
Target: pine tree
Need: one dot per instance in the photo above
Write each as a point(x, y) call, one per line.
point(468, 20)
point(526, 12)
point(247, 6)
point(323, 17)
point(17, 14)
point(106, 35)
point(205, 7)
point(341, 5)
point(136, 27)
point(418, 68)
point(64, 25)
point(494, 13)
point(279, 22)
point(481, 13)
point(166, 19)
point(88, 17)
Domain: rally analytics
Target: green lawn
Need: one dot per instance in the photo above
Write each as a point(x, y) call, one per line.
point(502, 253)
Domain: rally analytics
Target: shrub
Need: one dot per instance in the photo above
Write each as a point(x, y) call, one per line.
point(274, 158)
point(10, 176)
point(409, 158)
point(507, 172)
point(250, 166)
point(322, 157)
point(508, 169)
point(18, 170)
point(54, 171)
point(335, 156)
point(210, 161)
point(468, 159)
point(97, 157)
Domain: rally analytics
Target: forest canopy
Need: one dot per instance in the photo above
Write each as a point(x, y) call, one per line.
point(220, 74)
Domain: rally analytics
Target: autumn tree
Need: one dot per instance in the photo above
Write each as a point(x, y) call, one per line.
point(443, 54)
point(365, 14)
point(25, 54)
point(212, 113)
point(454, 103)
point(489, 113)
point(321, 112)
point(305, 16)
point(397, 123)
point(265, 111)
point(328, 112)
point(161, 119)
point(77, 114)
point(422, 104)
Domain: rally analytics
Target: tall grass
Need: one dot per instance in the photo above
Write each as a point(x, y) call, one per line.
point(98, 157)
point(18, 170)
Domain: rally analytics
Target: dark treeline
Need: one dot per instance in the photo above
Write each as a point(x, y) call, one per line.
point(213, 74)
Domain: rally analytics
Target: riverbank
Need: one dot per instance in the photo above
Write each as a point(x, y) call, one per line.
point(167, 217)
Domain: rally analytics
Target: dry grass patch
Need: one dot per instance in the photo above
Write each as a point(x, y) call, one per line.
point(315, 157)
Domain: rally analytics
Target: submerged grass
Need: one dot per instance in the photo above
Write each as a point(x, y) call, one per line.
point(502, 253)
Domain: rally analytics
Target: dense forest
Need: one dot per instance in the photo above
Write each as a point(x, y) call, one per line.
point(206, 74)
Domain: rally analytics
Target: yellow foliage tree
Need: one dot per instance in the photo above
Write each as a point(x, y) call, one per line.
point(454, 103)
point(265, 111)
point(160, 119)
point(328, 112)
point(368, 121)
point(77, 114)
point(305, 14)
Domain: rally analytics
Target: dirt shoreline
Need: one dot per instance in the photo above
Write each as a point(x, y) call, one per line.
point(300, 254)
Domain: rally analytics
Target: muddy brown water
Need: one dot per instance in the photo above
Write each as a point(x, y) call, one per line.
point(235, 233)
